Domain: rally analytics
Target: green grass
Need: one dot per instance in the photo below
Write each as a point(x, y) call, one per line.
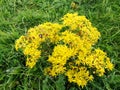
point(17, 16)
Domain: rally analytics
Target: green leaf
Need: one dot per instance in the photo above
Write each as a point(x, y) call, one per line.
point(60, 83)
point(45, 84)
point(115, 79)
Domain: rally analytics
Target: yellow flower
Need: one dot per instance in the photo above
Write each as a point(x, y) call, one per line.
point(60, 55)
point(79, 75)
point(74, 21)
point(58, 59)
point(109, 65)
point(50, 30)
point(74, 5)
point(21, 43)
point(72, 49)
point(54, 70)
point(72, 40)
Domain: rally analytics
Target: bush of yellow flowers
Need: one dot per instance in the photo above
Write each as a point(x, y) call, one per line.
point(69, 49)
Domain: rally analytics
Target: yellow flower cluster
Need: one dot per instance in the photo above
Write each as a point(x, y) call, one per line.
point(97, 60)
point(73, 54)
point(79, 75)
point(58, 59)
point(30, 43)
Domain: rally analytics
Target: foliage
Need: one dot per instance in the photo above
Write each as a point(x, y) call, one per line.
point(17, 16)
point(74, 57)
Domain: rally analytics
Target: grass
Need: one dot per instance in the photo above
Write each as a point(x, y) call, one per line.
point(17, 16)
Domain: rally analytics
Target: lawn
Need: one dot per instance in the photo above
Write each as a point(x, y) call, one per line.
point(17, 16)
